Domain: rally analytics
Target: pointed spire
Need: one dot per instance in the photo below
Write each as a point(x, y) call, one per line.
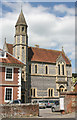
point(21, 19)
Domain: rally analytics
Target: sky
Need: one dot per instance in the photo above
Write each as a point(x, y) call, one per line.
point(51, 25)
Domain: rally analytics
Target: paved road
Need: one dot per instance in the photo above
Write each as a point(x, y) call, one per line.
point(39, 118)
point(46, 114)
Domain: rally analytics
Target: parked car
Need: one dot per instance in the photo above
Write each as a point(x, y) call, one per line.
point(41, 103)
point(55, 106)
point(15, 102)
point(45, 102)
point(50, 103)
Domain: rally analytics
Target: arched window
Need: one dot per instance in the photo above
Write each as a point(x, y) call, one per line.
point(61, 88)
point(62, 69)
point(22, 28)
point(35, 68)
point(46, 69)
point(50, 92)
point(33, 92)
point(59, 69)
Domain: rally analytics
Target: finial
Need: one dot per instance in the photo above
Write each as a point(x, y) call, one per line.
point(21, 7)
point(62, 49)
point(5, 39)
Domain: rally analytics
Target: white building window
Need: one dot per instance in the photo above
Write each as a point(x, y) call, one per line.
point(2, 54)
point(9, 74)
point(8, 94)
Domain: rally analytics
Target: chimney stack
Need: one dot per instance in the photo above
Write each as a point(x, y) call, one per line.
point(37, 46)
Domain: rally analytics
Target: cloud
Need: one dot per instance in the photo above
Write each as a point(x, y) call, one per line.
point(63, 8)
point(44, 28)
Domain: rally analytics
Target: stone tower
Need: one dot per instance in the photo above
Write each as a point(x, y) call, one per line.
point(20, 49)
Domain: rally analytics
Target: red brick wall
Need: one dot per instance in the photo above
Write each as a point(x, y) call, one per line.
point(2, 81)
point(15, 89)
point(15, 76)
point(76, 88)
point(70, 102)
point(2, 94)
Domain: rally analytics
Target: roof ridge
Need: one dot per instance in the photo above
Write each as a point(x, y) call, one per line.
point(46, 49)
point(40, 48)
point(9, 43)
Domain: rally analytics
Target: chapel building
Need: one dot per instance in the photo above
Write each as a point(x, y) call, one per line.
point(47, 72)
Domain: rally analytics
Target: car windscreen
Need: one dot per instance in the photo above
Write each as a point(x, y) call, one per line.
point(34, 101)
point(45, 101)
point(41, 102)
point(51, 101)
point(57, 102)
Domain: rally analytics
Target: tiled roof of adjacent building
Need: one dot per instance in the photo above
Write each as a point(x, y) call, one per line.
point(10, 59)
point(75, 84)
point(42, 55)
point(10, 48)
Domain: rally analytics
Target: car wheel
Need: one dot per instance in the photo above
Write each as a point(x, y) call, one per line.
point(53, 109)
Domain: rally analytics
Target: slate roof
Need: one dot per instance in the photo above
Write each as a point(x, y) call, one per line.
point(42, 55)
point(10, 59)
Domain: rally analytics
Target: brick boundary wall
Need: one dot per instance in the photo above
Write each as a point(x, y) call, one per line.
point(70, 102)
point(19, 110)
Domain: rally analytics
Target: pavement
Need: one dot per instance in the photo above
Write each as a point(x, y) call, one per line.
point(47, 113)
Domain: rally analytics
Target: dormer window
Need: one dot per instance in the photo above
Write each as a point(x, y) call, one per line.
point(2, 54)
